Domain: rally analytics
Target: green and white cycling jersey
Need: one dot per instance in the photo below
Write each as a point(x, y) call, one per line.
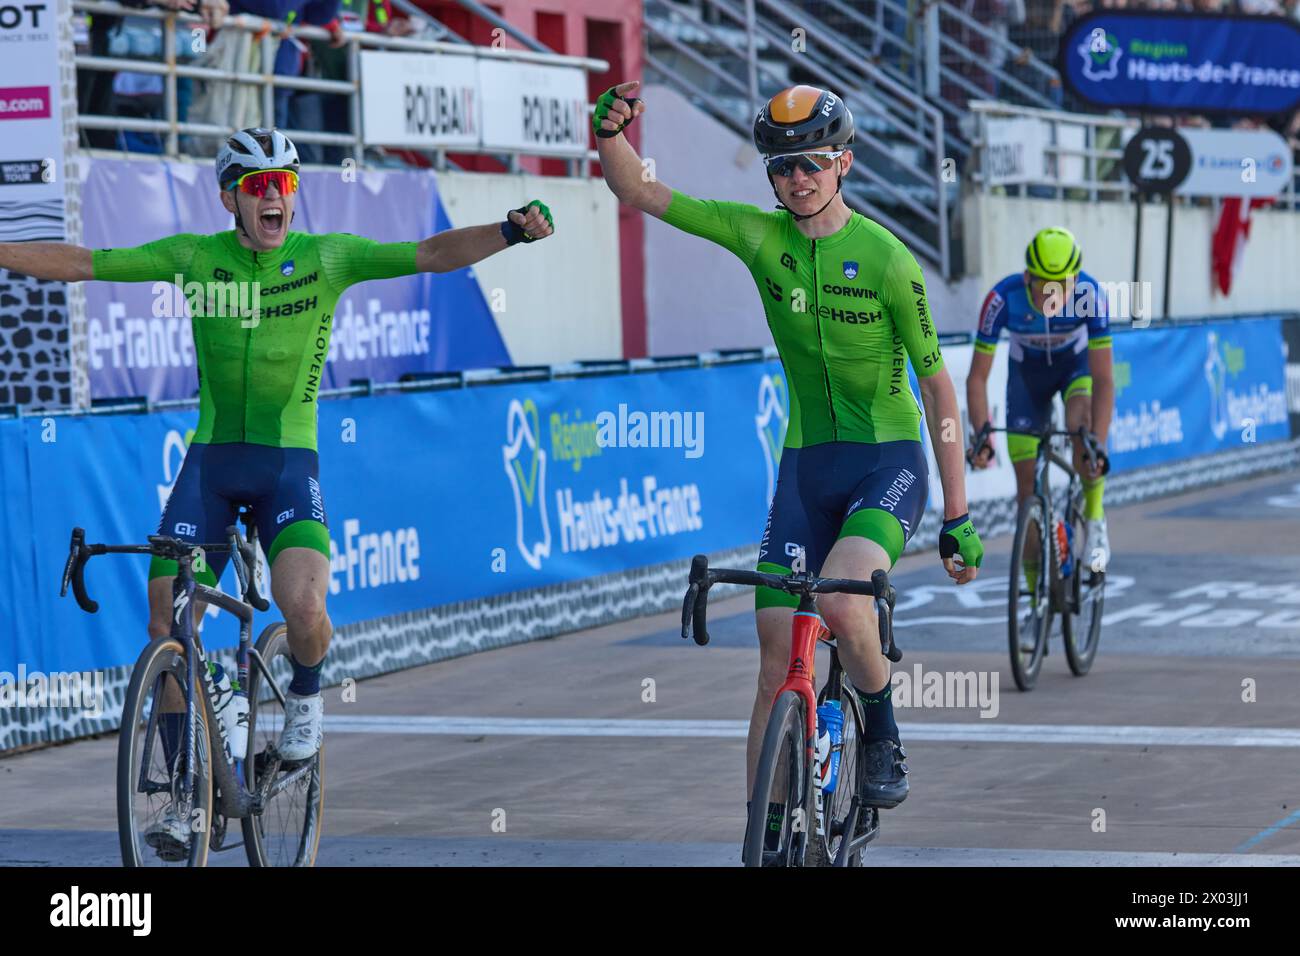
point(846, 311)
point(258, 377)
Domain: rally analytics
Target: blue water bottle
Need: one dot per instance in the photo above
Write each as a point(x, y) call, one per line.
point(830, 734)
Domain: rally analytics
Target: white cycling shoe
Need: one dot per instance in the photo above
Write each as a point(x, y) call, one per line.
point(169, 836)
point(301, 737)
point(1097, 555)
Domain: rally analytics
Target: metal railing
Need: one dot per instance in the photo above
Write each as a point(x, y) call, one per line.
point(266, 34)
point(432, 381)
point(1099, 154)
point(952, 63)
point(897, 178)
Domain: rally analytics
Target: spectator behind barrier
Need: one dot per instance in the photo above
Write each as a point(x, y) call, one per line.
point(292, 55)
point(105, 93)
point(329, 61)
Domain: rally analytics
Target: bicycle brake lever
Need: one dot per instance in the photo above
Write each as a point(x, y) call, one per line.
point(688, 609)
point(76, 571)
point(78, 535)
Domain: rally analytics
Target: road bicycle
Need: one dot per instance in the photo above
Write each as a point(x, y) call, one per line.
point(1072, 580)
point(174, 760)
point(808, 764)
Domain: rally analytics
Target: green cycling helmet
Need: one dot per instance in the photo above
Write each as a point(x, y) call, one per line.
point(1054, 254)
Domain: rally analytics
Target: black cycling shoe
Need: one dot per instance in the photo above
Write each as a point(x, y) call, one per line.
point(885, 784)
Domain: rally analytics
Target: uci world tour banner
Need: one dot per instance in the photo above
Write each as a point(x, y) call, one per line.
point(1171, 62)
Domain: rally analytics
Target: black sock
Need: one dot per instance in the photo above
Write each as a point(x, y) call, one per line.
point(306, 680)
point(878, 714)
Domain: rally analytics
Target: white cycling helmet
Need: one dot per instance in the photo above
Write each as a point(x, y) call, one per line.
point(251, 150)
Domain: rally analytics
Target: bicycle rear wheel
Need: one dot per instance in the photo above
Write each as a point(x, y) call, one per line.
point(1029, 599)
point(287, 830)
point(784, 777)
point(824, 846)
point(162, 819)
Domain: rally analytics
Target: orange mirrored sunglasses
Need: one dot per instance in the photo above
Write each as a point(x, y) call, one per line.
point(259, 182)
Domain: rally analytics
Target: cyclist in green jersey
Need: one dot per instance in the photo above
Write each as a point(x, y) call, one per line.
point(845, 301)
point(260, 369)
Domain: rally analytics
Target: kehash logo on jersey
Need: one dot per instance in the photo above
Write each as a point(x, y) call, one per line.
point(286, 267)
point(850, 269)
point(525, 464)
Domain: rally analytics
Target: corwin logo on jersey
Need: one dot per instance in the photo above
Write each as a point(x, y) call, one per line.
point(850, 269)
point(850, 291)
point(298, 283)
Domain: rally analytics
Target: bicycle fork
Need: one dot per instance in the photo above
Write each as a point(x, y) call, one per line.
point(806, 630)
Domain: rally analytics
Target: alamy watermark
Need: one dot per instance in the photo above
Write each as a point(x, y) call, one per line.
point(70, 689)
point(947, 689)
point(662, 429)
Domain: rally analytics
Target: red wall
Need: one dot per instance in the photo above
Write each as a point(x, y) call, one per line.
point(605, 29)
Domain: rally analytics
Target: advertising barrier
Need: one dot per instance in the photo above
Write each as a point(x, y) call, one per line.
point(1154, 62)
point(477, 494)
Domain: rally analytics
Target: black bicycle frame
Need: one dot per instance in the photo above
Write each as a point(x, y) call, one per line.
point(236, 800)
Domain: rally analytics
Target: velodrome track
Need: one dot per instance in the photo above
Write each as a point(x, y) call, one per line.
point(554, 740)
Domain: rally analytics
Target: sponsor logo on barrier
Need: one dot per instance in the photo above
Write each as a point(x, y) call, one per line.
point(573, 441)
point(599, 521)
point(770, 422)
point(373, 559)
point(1101, 55)
point(525, 464)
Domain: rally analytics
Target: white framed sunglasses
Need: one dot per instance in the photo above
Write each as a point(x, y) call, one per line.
point(811, 162)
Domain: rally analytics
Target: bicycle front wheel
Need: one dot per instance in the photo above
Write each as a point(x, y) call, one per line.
point(1082, 631)
point(1029, 599)
point(287, 830)
point(164, 789)
point(783, 786)
point(833, 814)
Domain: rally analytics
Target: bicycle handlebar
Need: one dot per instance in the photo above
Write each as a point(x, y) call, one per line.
point(74, 570)
point(1091, 446)
point(702, 577)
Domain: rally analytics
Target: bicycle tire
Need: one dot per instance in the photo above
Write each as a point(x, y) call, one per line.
point(825, 846)
point(161, 657)
point(1092, 598)
point(294, 835)
point(1025, 672)
point(783, 746)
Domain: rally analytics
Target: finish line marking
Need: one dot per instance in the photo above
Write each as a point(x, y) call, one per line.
point(969, 732)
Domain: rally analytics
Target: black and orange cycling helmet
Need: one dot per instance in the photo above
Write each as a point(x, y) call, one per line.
point(800, 119)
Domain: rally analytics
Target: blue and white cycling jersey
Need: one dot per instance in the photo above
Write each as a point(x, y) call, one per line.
point(1035, 337)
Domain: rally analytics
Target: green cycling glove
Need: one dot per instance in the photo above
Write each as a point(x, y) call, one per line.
point(603, 104)
point(960, 537)
point(515, 233)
